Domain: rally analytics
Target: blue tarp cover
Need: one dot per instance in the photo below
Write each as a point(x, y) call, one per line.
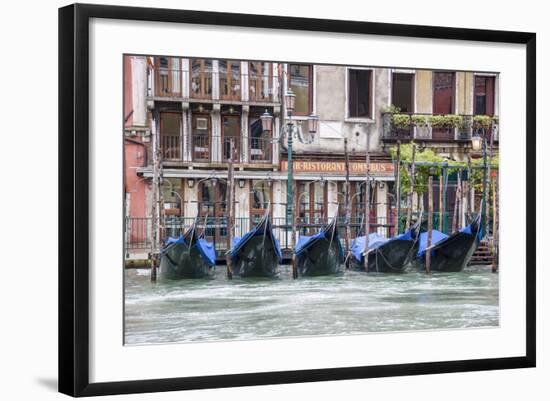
point(239, 242)
point(468, 229)
point(375, 242)
point(206, 249)
point(437, 237)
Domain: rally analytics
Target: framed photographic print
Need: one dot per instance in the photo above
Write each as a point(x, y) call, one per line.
point(253, 199)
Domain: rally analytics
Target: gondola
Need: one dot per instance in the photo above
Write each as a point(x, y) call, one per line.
point(257, 253)
point(320, 254)
point(385, 255)
point(187, 256)
point(450, 253)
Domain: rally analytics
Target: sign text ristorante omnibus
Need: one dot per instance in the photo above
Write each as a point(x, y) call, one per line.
point(338, 167)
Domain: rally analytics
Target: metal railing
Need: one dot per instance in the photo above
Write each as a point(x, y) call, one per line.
point(207, 148)
point(201, 148)
point(409, 126)
point(228, 142)
point(260, 150)
point(171, 147)
point(138, 230)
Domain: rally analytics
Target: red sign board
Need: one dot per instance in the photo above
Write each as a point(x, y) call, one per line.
point(338, 167)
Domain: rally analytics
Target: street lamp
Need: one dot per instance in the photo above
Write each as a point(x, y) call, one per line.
point(290, 128)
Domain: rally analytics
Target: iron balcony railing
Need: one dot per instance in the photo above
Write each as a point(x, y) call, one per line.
point(208, 85)
point(206, 148)
point(437, 127)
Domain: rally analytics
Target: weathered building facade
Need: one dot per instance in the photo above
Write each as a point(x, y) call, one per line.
point(201, 112)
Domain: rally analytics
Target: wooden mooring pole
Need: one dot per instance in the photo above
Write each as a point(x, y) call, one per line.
point(494, 267)
point(294, 240)
point(230, 209)
point(156, 205)
point(411, 192)
point(430, 224)
point(367, 205)
point(440, 202)
point(347, 198)
point(398, 187)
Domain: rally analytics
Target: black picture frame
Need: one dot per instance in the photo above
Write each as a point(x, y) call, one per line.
point(74, 201)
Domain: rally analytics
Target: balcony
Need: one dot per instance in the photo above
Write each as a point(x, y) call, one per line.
point(168, 82)
point(202, 148)
point(176, 84)
point(435, 127)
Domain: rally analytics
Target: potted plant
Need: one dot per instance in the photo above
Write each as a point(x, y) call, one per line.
point(482, 122)
point(401, 120)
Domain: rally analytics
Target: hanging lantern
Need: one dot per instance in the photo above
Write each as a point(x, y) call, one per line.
point(290, 100)
point(476, 143)
point(312, 123)
point(267, 121)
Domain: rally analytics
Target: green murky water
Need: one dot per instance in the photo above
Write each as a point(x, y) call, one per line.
point(354, 303)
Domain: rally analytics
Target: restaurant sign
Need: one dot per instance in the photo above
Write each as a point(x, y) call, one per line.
point(338, 167)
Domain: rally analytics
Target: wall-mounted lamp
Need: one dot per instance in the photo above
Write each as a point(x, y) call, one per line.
point(267, 121)
point(241, 183)
point(190, 182)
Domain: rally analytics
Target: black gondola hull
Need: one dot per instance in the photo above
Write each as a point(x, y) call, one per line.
point(322, 258)
point(257, 258)
point(177, 262)
point(451, 255)
point(392, 257)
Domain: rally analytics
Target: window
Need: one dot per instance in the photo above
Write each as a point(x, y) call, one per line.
point(311, 201)
point(484, 95)
point(259, 141)
point(231, 131)
point(230, 79)
point(443, 102)
point(402, 94)
point(167, 76)
point(201, 137)
point(201, 78)
point(170, 129)
point(213, 206)
point(359, 93)
point(301, 83)
point(443, 92)
point(260, 198)
point(260, 81)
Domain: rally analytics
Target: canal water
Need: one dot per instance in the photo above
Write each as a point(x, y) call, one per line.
point(354, 303)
